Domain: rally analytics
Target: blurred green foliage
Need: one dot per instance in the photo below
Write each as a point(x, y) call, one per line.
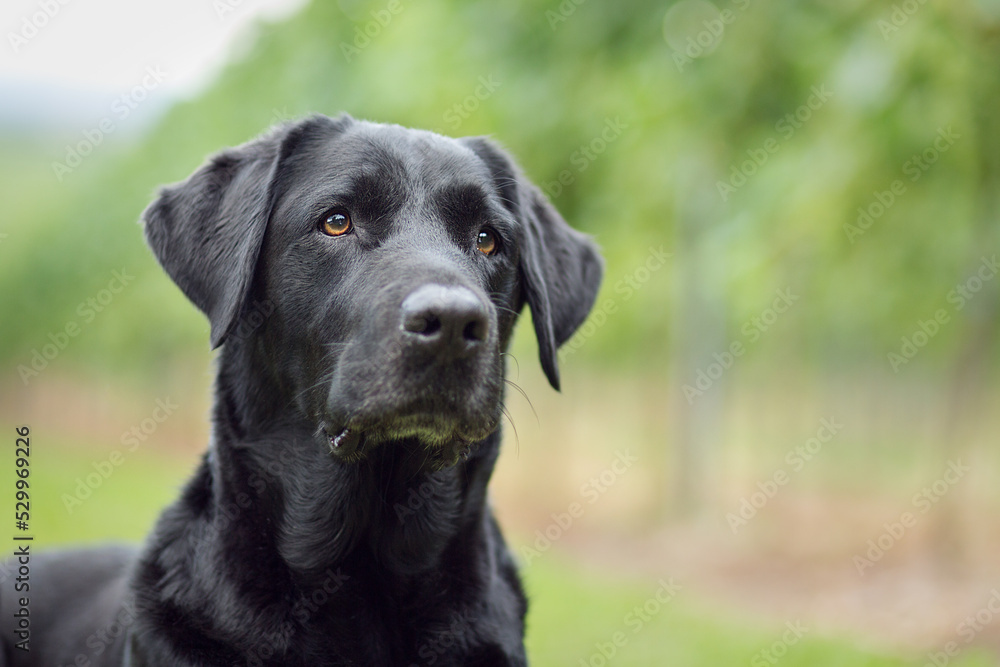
point(557, 75)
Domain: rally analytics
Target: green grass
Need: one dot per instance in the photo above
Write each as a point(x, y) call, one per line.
point(576, 616)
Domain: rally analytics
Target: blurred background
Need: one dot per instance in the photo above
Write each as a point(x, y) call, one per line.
point(777, 436)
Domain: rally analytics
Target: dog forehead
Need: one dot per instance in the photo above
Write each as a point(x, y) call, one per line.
point(417, 161)
point(388, 167)
point(423, 152)
point(392, 154)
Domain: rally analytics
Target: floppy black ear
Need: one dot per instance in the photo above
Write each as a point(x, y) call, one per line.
point(207, 231)
point(560, 267)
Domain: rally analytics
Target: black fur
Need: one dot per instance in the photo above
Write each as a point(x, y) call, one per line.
point(339, 516)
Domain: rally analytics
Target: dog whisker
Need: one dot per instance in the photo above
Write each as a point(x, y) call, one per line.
point(324, 379)
point(525, 394)
point(517, 365)
point(517, 439)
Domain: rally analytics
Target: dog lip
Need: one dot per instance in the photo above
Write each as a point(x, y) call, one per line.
point(449, 456)
point(435, 430)
point(346, 442)
point(352, 434)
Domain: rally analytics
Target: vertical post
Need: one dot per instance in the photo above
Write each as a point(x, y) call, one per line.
point(699, 326)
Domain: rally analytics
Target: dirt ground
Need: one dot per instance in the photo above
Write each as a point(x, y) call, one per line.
point(800, 567)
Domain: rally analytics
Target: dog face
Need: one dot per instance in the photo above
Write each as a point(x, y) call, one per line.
point(393, 263)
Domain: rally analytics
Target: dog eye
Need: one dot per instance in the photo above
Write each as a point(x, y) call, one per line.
point(335, 223)
point(487, 242)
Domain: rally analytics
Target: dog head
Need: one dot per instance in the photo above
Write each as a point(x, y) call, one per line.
point(391, 265)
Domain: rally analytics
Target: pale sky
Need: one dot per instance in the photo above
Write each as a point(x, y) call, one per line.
point(106, 46)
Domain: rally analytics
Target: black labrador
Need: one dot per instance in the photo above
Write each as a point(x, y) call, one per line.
point(362, 281)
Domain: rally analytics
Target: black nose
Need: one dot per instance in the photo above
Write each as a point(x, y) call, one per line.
point(452, 319)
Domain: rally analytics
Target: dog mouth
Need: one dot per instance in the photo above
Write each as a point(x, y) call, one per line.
point(445, 442)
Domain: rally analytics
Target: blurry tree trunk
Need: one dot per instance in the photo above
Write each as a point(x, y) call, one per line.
point(968, 378)
point(699, 328)
point(967, 386)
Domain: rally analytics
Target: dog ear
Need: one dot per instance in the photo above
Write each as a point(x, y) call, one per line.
point(560, 267)
point(207, 231)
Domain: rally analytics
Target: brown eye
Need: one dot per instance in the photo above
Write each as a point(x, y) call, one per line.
point(335, 223)
point(487, 242)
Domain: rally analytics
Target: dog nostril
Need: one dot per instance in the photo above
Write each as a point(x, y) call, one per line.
point(475, 331)
point(426, 324)
point(431, 325)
